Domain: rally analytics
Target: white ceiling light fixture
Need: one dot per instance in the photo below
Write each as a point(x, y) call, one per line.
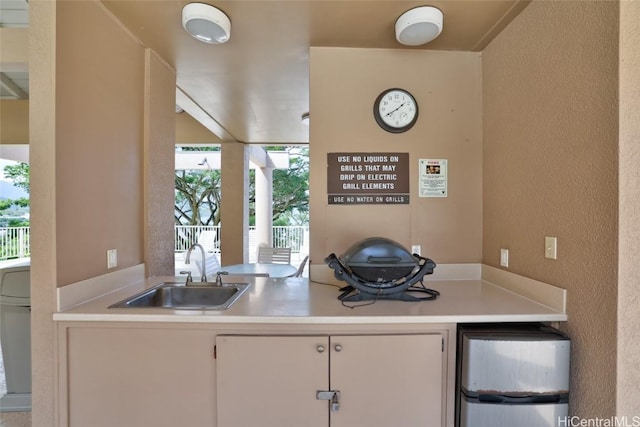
point(419, 25)
point(305, 119)
point(206, 23)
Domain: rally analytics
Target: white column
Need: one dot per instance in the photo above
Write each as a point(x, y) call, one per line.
point(264, 205)
point(234, 230)
point(628, 340)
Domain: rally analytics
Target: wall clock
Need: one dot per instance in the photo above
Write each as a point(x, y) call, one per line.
point(395, 110)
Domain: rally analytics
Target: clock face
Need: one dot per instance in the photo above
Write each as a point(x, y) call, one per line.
point(395, 110)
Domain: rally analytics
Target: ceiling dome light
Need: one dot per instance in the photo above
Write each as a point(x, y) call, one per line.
point(206, 23)
point(305, 119)
point(419, 25)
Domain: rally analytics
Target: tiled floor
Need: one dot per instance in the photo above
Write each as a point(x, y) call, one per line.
point(15, 419)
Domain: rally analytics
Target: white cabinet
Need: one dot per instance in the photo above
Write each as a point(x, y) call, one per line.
point(271, 381)
point(137, 377)
point(392, 380)
point(382, 380)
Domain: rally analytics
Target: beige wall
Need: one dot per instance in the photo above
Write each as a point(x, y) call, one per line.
point(190, 131)
point(14, 50)
point(99, 130)
point(628, 392)
point(14, 116)
point(550, 169)
point(344, 84)
point(98, 153)
point(543, 109)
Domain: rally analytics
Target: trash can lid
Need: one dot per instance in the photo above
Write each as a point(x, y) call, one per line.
point(15, 285)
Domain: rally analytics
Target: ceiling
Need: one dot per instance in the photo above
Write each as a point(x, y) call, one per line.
point(255, 87)
point(14, 84)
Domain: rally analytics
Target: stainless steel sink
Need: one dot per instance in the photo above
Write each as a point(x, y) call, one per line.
point(196, 296)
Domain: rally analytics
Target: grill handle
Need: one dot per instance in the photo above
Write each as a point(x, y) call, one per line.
point(383, 259)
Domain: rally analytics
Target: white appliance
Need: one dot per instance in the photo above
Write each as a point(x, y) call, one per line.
point(512, 375)
point(15, 337)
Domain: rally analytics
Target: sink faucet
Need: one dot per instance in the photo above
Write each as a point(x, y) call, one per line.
point(187, 260)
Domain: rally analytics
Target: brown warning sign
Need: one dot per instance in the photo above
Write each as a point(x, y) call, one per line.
point(368, 178)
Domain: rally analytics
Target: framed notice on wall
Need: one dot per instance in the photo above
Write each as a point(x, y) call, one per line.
point(368, 178)
point(433, 177)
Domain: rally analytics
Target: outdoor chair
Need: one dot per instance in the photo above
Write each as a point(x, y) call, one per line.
point(207, 239)
point(301, 267)
point(274, 255)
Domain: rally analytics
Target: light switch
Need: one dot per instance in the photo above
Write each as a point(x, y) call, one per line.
point(416, 249)
point(504, 257)
point(551, 247)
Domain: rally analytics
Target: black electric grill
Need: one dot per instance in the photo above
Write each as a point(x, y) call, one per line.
point(379, 268)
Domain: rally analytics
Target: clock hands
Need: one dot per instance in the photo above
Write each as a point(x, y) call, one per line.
point(393, 111)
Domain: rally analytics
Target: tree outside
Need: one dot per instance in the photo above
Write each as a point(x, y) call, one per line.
point(290, 189)
point(14, 212)
point(198, 197)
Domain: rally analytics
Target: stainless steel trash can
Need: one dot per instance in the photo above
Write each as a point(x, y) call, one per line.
point(15, 328)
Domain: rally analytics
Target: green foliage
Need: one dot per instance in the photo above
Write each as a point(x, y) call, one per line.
point(18, 222)
point(291, 190)
point(198, 192)
point(11, 210)
point(6, 204)
point(19, 174)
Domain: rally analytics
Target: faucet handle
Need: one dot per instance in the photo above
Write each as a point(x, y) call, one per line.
point(189, 278)
point(218, 278)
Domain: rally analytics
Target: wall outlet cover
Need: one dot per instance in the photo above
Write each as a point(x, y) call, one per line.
point(551, 247)
point(112, 258)
point(504, 257)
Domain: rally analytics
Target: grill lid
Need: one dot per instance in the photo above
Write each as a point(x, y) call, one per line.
point(378, 259)
point(378, 252)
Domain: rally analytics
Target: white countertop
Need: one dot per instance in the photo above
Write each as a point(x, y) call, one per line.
point(296, 301)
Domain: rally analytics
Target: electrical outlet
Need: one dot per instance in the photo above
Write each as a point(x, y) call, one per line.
point(551, 247)
point(112, 258)
point(504, 257)
point(416, 249)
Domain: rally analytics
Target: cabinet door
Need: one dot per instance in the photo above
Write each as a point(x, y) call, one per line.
point(140, 377)
point(271, 381)
point(387, 380)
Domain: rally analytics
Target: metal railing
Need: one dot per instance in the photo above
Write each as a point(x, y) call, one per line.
point(290, 236)
point(294, 237)
point(14, 241)
point(207, 235)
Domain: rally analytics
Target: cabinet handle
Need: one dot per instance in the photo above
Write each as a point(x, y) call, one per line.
point(320, 348)
point(338, 347)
